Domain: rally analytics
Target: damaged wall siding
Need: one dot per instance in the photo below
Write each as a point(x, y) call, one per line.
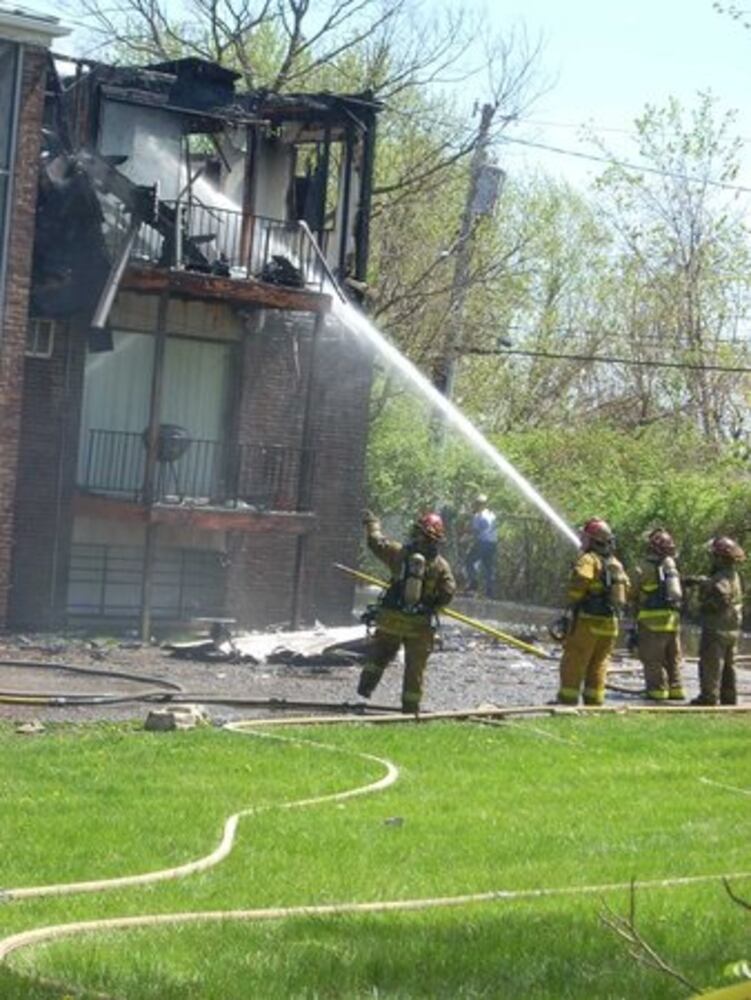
point(152, 141)
point(233, 143)
point(16, 300)
point(273, 178)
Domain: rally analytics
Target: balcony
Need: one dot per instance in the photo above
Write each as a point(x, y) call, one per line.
point(223, 242)
point(198, 473)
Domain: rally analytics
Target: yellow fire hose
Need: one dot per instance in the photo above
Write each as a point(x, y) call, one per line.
point(456, 615)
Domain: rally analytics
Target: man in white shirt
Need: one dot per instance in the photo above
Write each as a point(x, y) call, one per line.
point(484, 550)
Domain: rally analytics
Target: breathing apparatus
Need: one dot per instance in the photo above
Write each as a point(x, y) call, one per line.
point(413, 581)
point(615, 583)
point(405, 592)
point(661, 549)
point(670, 582)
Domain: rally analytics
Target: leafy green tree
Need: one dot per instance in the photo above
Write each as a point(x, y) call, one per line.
point(684, 261)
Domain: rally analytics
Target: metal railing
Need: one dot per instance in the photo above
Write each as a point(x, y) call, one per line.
point(261, 477)
point(223, 242)
point(106, 581)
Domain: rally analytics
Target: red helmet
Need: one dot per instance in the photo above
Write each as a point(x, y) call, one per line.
point(661, 542)
point(596, 532)
point(725, 548)
point(431, 526)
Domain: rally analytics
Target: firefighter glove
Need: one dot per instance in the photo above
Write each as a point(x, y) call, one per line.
point(560, 628)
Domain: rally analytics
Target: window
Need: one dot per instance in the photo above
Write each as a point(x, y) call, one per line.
point(40, 338)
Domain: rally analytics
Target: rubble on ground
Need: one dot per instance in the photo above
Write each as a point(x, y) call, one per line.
point(319, 646)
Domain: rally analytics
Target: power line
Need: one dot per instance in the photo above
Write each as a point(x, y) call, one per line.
point(597, 127)
point(574, 125)
point(650, 337)
point(612, 161)
point(608, 359)
point(560, 151)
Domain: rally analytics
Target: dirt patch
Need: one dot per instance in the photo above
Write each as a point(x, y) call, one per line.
point(466, 671)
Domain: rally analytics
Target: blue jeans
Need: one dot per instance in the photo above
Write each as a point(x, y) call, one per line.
point(482, 555)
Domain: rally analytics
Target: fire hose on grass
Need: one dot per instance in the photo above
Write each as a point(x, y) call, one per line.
point(456, 615)
point(157, 690)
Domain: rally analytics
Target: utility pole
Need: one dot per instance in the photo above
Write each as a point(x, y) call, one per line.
point(484, 181)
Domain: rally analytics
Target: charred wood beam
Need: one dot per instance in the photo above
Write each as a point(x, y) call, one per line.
point(244, 521)
point(250, 292)
point(362, 222)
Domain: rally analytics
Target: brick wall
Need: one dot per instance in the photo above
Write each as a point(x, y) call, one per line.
point(18, 274)
point(340, 429)
point(276, 354)
point(275, 370)
point(47, 462)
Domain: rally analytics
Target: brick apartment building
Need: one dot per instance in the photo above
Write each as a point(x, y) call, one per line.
point(184, 416)
point(24, 41)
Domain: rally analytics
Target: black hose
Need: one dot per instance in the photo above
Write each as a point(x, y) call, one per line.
point(89, 672)
point(55, 699)
point(279, 703)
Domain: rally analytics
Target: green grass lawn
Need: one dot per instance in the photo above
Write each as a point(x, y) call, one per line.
point(557, 803)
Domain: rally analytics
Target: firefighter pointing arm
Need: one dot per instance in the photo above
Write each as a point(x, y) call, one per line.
point(421, 583)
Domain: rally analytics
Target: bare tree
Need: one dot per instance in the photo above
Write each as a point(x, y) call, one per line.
point(388, 46)
point(638, 947)
point(740, 14)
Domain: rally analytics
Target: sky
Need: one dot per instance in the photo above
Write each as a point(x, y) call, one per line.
point(605, 60)
point(602, 61)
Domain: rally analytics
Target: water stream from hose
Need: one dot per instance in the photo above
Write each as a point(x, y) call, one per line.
point(351, 317)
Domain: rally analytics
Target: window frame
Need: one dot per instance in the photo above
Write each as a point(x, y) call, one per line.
point(34, 337)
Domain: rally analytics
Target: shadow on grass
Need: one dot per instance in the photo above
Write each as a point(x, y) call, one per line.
point(549, 950)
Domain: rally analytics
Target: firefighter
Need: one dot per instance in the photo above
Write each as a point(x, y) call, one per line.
point(421, 583)
point(721, 611)
point(596, 595)
point(657, 598)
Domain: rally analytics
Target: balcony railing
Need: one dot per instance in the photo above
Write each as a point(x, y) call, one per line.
point(210, 473)
point(223, 242)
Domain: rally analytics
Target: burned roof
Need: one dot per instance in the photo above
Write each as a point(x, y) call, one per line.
point(197, 69)
point(306, 107)
point(205, 92)
point(316, 114)
point(202, 91)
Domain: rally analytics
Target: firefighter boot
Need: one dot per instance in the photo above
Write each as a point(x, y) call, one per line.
point(368, 682)
point(410, 703)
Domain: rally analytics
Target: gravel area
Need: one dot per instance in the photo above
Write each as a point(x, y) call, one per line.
point(466, 671)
